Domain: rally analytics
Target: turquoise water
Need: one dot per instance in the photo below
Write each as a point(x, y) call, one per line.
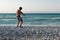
point(39, 19)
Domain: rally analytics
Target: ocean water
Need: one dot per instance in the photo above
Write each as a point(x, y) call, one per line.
point(31, 19)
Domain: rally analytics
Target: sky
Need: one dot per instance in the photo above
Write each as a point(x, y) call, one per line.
point(30, 6)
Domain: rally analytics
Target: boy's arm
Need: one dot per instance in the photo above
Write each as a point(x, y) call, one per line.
point(22, 13)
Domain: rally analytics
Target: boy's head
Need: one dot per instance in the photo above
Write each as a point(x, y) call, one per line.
point(20, 8)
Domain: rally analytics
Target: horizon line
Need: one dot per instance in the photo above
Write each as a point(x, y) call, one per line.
point(38, 12)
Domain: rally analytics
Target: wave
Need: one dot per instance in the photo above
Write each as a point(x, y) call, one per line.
point(28, 25)
point(33, 18)
point(7, 20)
point(44, 18)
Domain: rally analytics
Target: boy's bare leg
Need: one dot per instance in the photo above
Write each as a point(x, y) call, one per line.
point(18, 24)
point(21, 24)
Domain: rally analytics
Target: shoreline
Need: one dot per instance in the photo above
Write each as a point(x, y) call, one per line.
point(30, 26)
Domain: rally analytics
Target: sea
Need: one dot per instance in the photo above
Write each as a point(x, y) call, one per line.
point(31, 19)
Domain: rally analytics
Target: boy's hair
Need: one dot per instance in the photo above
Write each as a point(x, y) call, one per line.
point(20, 8)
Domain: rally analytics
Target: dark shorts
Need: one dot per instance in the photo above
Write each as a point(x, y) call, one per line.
point(19, 18)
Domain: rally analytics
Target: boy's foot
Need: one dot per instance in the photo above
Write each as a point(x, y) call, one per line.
point(17, 26)
point(21, 27)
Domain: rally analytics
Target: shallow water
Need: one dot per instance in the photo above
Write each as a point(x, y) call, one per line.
point(35, 19)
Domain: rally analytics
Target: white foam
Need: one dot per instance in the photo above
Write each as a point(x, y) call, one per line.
point(26, 25)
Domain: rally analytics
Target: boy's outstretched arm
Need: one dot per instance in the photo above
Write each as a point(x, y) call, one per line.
point(23, 13)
